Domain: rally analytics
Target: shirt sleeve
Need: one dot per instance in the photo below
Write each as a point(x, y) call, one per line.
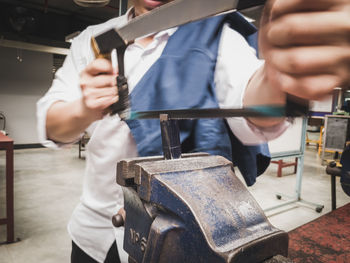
point(65, 86)
point(236, 64)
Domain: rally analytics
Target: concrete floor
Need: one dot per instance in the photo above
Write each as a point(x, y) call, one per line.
point(48, 185)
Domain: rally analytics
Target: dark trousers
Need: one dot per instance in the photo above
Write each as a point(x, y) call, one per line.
point(79, 256)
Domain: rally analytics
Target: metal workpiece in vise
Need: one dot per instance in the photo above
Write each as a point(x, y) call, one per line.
point(192, 208)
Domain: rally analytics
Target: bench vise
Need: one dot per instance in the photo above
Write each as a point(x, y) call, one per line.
point(193, 209)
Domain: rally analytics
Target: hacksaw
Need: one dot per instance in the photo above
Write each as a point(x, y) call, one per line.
point(173, 14)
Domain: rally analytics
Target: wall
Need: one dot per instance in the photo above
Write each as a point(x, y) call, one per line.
point(21, 85)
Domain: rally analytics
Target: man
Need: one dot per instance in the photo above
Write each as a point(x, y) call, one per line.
point(305, 44)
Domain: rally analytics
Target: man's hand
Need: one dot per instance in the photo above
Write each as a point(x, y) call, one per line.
point(65, 121)
point(306, 45)
point(98, 85)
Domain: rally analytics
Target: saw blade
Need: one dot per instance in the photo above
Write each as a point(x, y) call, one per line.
point(275, 111)
point(172, 14)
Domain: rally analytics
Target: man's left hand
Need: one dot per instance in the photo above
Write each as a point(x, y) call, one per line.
point(306, 46)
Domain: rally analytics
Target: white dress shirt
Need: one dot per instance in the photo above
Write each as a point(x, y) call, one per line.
point(90, 226)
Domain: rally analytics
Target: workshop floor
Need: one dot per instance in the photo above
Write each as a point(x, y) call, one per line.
point(48, 185)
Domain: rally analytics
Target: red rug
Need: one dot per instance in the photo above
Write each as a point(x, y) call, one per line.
point(326, 239)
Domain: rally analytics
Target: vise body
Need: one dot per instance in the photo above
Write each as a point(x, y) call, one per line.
point(193, 209)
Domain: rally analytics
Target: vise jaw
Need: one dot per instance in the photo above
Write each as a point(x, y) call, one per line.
point(193, 209)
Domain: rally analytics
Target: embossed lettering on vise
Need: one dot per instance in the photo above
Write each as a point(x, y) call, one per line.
point(134, 236)
point(135, 240)
point(143, 244)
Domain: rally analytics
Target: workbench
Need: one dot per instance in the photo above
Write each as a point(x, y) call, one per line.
point(6, 144)
point(323, 240)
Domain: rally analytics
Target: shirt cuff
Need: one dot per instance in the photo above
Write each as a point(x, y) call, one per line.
point(249, 134)
point(42, 107)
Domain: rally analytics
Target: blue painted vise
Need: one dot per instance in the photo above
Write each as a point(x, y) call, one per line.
point(192, 209)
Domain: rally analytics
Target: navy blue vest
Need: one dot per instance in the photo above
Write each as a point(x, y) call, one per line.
point(183, 77)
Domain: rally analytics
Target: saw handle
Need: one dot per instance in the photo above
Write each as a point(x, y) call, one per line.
point(296, 106)
point(123, 92)
point(122, 106)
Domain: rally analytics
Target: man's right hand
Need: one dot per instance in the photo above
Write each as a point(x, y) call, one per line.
point(99, 88)
point(65, 121)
